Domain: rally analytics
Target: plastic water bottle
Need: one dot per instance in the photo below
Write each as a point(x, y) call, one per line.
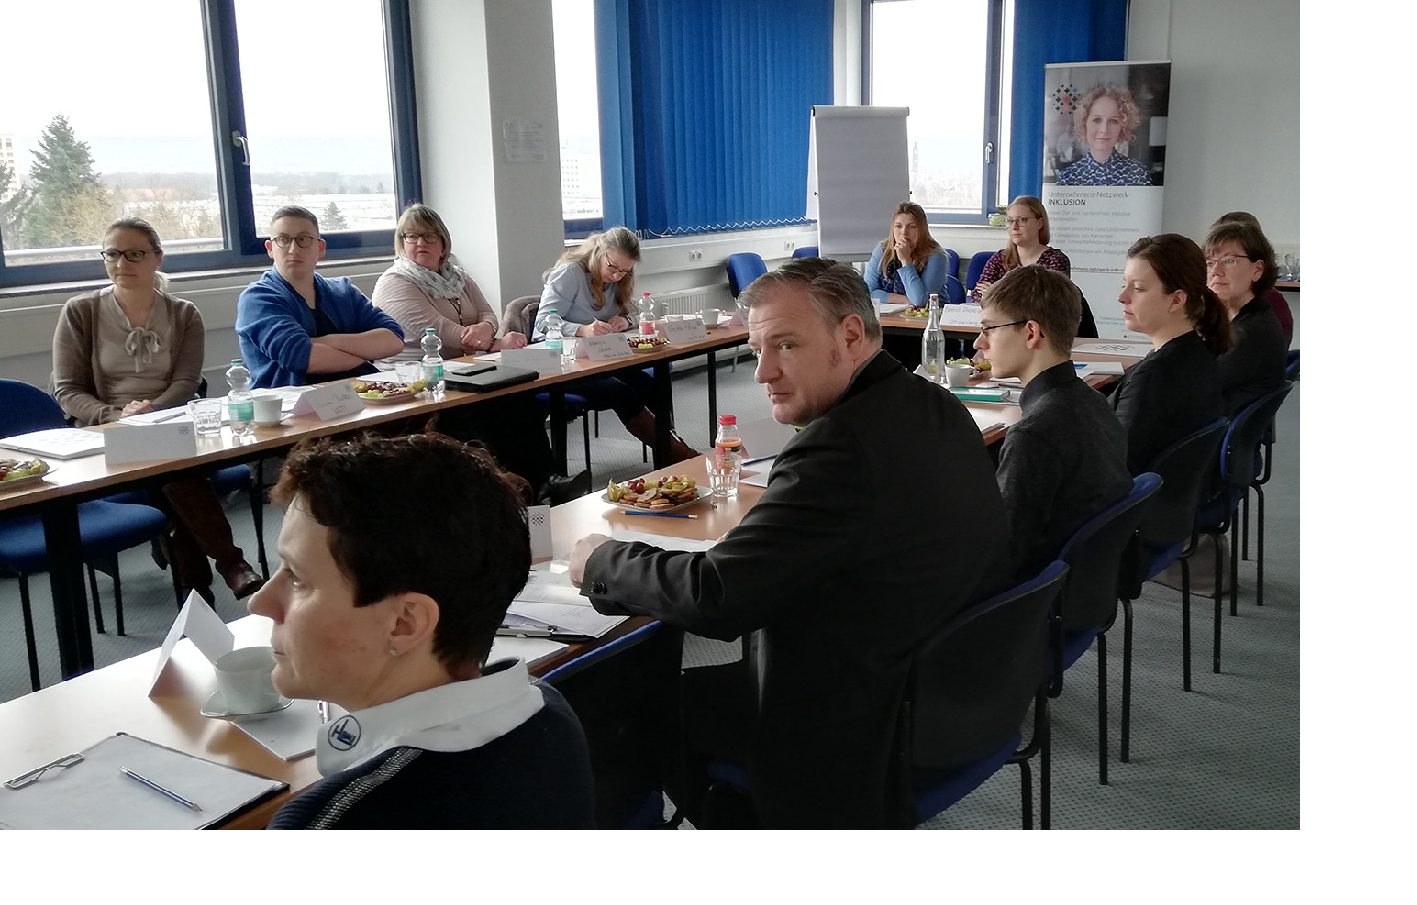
point(555, 339)
point(646, 315)
point(932, 344)
point(433, 363)
point(240, 410)
point(726, 466)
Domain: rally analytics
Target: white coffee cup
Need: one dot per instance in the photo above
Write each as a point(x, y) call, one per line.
point(958, 375)
point(267, 407)
point(710, 317)
point(244, 678)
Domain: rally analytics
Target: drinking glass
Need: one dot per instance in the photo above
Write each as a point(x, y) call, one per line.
point(206, 415)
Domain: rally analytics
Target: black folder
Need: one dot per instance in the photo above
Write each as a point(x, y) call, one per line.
point(486, 381)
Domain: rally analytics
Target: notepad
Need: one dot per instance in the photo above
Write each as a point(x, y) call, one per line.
point(550, 601)
point(93, 795)
point(57, 443)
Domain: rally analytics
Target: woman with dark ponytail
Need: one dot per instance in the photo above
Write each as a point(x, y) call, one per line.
point(1175, 389)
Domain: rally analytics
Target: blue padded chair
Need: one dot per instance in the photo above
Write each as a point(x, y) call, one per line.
point(806, 251)
point(1237, 476)
point(1088, 607)
point(626, 695)
point(953, 257)
point(967, 695)
point(1167, 532)
point(954, 289)
point(105, 527)
point(976, 267)
point(1291, 365)
point(743, 268)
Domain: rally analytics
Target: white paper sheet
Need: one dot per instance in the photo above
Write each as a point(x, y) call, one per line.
point(290, 733)
point(57, 443)
point(682, 544)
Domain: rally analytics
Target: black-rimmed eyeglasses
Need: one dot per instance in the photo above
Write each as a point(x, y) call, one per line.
point(301, 241)
point(134, 255)
point(984, 331)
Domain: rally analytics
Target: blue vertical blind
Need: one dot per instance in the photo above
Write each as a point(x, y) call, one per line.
point(1053, 31)
point(705, 107)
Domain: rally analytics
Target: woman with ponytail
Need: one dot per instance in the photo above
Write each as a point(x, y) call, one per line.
point(1175, 389)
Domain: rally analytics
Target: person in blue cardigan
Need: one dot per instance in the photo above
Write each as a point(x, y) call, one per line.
point(295, 326)
point(909, 265)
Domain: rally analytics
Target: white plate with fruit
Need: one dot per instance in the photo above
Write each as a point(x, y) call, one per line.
point(667, 494)
point(21, 472)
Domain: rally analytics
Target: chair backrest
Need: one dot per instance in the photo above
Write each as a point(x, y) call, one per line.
point(626, 695)
point(806, 251)
point(954, 289)
point(1291, 365)
point(1094, 557)
point(972, 681)
point(25, 408)
point(1239, 453)
point(743, 268)
point(953, 257)
point(976, 267)
point(520, 314)
point(1185, 467)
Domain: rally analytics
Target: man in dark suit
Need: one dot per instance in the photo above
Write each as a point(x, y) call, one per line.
point(864, 542)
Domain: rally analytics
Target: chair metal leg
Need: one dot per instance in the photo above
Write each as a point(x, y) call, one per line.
point(1102, 708)
point(97, 610)
point(1185, 625)
point(117, 598)
point(585, 439)
point(1234, 569)
point(1126, 754)
point(29, 631)
point(596, 415)
point(1245, 525)
point(256, 493)
point(1219, 605)
point(1045, 768)
point(1259, 547)
point(1025, 777)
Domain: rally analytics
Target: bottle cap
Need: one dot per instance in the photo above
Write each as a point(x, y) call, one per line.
point(236, 361)
point(428, 330)
point(728, 420)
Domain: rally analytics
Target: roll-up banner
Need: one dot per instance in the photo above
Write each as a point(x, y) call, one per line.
point(1104, 165)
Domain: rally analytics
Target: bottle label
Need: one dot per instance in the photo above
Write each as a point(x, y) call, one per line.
point(553, 342)
point(241, 411)
point(433, 373)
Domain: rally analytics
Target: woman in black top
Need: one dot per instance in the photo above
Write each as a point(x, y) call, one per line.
point(1175, 389)
point(1240, 270)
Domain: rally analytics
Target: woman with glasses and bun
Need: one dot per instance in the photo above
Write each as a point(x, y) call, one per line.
point(427, 287)
point(131, 348)
point(1175, 389)
point(592, 289)
point(909, 265)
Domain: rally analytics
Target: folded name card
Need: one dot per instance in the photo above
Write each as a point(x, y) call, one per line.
point(329, 401)
point(538, 522)
point(965, 315)
point(534, 358)
point(685, 331)
point(604, 348)
point(736, 318)
point(143, 443)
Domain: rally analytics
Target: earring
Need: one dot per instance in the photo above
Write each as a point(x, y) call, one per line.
point(393, 652)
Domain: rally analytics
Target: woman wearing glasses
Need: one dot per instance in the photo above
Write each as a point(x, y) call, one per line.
point(1175, 389)
point(592, 289)
point(1240, 271)
point(131, 348)
point(1028, 244)
point(908, 266)
point(426, 288)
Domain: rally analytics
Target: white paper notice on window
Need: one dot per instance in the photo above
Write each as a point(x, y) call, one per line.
point(525, 140)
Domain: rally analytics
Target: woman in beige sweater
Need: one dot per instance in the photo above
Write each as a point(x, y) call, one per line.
point(131, 348)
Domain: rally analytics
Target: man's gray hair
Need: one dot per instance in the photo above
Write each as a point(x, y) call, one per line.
point(835, 290)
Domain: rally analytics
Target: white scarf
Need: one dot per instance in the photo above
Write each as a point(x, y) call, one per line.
point(447, 283)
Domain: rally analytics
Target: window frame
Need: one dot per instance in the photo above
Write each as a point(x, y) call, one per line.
point(245, 239)
point(993, 103)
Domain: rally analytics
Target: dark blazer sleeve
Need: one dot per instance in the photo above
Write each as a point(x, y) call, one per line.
point(781, 556)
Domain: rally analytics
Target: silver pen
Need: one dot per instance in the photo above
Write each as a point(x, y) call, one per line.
point(143, 780)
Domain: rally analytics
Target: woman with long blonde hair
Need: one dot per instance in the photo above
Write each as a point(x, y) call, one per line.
point(909, 266)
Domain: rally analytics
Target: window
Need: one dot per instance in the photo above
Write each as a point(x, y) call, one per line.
point(578, 110)
point(942, 59)
point(232, 119)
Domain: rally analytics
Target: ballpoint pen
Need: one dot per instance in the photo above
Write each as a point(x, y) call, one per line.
point(660, 514)
point(143, 780)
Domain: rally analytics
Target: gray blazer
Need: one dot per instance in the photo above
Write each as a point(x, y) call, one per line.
point(568, 291)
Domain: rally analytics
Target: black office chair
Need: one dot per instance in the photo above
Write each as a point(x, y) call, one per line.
point(1264, 462)
point(1088, 606)
point(967, 695)
point(626, 695)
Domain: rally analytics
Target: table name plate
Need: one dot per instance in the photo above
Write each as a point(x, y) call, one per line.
point(688, 331)
point(604, 348)
point(125, 443)
point(330, 401)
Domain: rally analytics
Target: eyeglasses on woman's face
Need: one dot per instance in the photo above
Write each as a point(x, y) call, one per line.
point(1227, 262)
point(420, 238)
point(1018, 221)
point(134, 255)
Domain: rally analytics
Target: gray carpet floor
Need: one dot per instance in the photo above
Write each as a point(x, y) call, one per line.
point(1225, 755)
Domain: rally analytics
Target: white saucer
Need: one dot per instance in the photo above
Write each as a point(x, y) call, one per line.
point(216, 708)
